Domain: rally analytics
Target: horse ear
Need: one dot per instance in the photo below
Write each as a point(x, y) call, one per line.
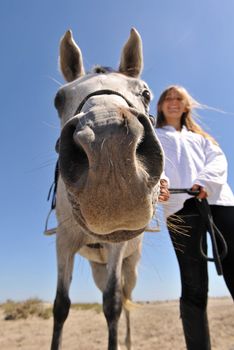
point(71, 62)
point(131, 62)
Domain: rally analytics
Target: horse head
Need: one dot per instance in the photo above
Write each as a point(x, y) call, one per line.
point(110, 159)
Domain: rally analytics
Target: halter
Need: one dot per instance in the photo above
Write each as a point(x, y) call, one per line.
point(53, 188)
point(102, 92)
point(112, 92)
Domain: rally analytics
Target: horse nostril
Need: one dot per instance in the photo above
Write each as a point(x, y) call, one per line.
point(149, 150)
point(72, 154)
point(81, 157)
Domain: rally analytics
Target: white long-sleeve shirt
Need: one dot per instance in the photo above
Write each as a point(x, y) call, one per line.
point(192, 159)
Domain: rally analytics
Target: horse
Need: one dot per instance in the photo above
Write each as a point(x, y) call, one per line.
point(109, 167)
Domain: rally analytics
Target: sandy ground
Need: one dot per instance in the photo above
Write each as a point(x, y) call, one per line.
point(155, 325)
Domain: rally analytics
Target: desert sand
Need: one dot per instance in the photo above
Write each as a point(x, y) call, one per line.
point(155, 325)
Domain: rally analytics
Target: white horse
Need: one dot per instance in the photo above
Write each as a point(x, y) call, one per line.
point(110, 162)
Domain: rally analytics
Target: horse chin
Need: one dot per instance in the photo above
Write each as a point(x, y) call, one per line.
point(117, 236)
point(113, 236)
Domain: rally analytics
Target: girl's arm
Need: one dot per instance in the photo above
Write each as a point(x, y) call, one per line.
point(214, 173)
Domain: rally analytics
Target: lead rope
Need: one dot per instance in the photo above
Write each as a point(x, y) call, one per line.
point(214, 232)
point(52, 194)
point(205, 212)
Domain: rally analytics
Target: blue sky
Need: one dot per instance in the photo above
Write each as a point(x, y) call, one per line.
point(185, 42)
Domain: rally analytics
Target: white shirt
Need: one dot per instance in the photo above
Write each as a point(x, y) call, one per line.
point(192, 159)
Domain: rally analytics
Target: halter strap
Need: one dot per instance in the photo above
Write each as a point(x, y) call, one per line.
point(102, 92)
point(112, 92)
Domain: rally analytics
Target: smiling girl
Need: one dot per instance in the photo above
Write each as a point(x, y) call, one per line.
point(194, 160)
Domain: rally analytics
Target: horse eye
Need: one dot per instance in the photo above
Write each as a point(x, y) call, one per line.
point(59, 100)
point(147, 96)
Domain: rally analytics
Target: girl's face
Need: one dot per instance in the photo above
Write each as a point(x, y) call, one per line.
point(173, 106)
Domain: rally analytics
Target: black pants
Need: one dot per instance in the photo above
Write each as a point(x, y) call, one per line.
point(186, 228)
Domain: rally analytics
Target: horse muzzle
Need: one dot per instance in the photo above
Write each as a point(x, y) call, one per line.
point(111, 161)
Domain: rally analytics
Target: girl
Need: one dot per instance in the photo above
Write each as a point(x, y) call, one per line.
point(194, 160)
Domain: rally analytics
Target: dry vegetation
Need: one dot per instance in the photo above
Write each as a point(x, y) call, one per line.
point(22, 310)
point(35, 307)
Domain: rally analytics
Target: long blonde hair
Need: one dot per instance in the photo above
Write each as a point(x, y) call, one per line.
point(187, 118)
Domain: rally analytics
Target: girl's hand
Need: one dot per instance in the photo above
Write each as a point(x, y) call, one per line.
point(202, 191)
point(164, 192)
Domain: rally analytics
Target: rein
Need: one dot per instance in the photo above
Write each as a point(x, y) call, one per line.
point(205, 213)
point(53, 188)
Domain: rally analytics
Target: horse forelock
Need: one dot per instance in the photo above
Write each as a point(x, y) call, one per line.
point(102, 69)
